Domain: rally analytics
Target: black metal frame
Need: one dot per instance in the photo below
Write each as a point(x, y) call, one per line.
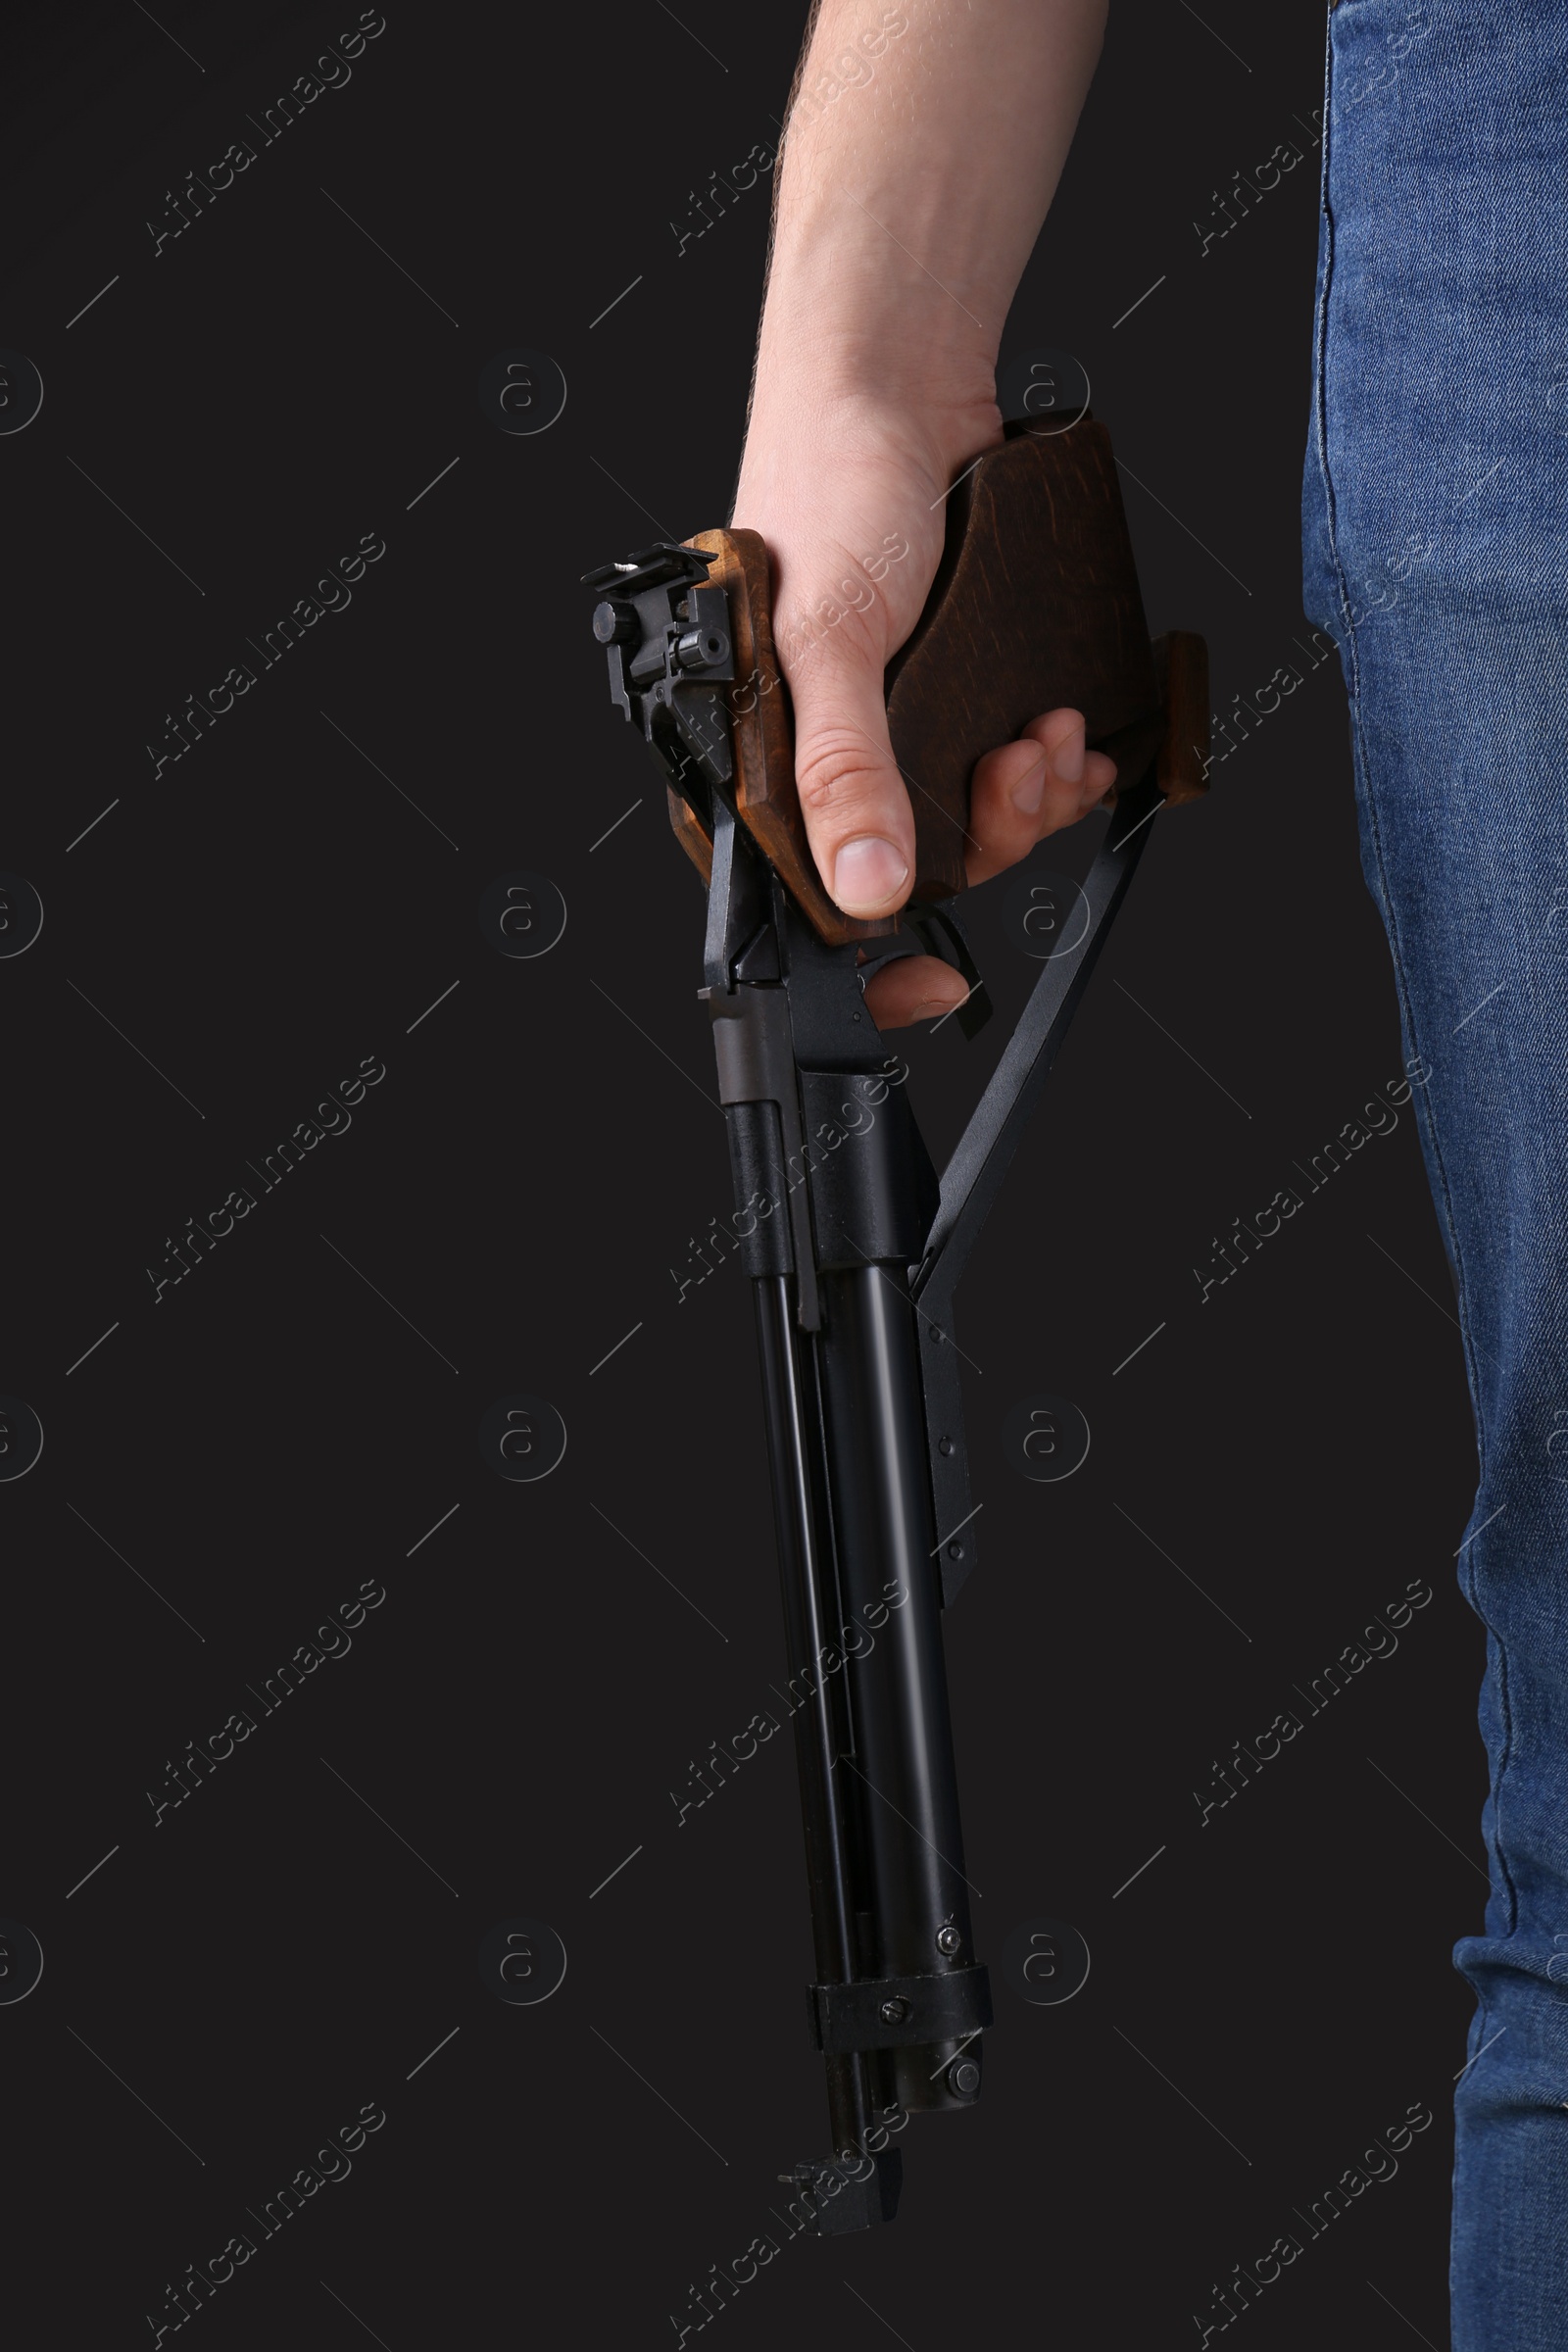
point(853, 1249)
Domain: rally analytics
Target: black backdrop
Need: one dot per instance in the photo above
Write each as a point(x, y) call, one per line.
point(230, 934)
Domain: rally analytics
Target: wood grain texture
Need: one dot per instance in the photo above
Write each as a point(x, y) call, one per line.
point(1036, 606)
point(686, 825)
point(1181, 663)
point(763, 736)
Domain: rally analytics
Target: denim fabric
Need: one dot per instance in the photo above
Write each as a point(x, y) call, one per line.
point(1436, 529)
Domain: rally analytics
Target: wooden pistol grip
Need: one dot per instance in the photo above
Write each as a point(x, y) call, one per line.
point(1181, 662)
point(1034, 606)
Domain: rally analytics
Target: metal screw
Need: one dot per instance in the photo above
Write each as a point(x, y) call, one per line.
point(616, 621)
point(949, 1942)
point(943, 1445)
point(963, 2077)
point(895, 2010)
point(935, 1332)
point(955, 1551)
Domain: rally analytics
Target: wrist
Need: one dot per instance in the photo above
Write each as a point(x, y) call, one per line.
point(843, 336)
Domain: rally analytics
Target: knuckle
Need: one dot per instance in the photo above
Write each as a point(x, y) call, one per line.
point(839, 780)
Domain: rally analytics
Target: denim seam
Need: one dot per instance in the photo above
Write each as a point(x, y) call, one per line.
point(1467, 1577)
point(1390, 912)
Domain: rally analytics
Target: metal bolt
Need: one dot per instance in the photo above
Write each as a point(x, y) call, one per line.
point(949, 1942)
point(963, 2077)
point(936, 1332)
point(943, 1445)
point(955, 1551)
point(895, 2011)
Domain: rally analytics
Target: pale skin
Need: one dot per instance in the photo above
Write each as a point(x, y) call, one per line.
point(921, 156)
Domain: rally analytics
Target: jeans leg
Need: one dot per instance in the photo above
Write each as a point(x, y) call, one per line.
point(1436, 511)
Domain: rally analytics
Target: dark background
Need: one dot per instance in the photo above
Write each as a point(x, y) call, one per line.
point(230, 939)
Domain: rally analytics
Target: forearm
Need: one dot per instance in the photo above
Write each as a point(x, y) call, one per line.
point(925, 142)
point(923, 150)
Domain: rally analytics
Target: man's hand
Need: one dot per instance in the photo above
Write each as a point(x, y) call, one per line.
point(851, 507)
point(922, 149)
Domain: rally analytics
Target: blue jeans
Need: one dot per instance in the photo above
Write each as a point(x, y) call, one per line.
point(1436, 524)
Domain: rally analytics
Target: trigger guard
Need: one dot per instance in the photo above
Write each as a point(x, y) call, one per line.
point(937, 932)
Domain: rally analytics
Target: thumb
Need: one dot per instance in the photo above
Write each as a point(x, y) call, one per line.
point(857, 814)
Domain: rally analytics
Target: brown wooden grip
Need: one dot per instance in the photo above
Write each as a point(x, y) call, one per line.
point(1034, 606)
